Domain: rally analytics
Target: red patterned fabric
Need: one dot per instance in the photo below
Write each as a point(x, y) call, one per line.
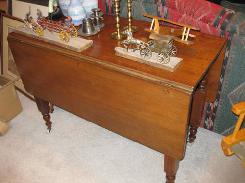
point(190, 20)
point(207, 16)
point(210, 18)
point(201, 10)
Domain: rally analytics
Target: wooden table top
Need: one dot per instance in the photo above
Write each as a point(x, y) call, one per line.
point(197, 58)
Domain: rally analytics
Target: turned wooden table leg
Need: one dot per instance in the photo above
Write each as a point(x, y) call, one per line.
point(51, 106)
point(45, 108)
point(197, 110)
point(171, 166)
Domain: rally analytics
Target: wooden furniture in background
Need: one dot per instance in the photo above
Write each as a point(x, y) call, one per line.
point(3, 9)
point(3, 5)
point(235, 143)
point(8, 67)
point(146, 104)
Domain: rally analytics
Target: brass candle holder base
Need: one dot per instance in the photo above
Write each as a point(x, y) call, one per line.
point(118, 36)
point(133, 28)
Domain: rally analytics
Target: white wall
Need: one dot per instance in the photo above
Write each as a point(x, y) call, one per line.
point(19, 9)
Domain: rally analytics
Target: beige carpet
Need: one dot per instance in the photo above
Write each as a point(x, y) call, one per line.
point(77, 151)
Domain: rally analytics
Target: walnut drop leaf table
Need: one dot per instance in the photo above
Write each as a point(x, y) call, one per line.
point(149, 105)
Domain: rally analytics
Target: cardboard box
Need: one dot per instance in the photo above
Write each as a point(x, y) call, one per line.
point(10, 104)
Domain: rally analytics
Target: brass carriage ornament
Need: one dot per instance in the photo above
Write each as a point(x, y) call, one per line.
point(65, 30)
point(30, 23)
point(163, 46)
point(136, 44)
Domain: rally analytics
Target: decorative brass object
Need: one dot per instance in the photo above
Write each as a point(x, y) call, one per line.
point(130, 27)
point(163, 46)
point(117, 34)
point(155, 27)
point(65, 30)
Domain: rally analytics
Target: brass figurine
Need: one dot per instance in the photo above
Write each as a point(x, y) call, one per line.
point(136, 44)
point(65, 30)
point(155, 27)
point(163, 46)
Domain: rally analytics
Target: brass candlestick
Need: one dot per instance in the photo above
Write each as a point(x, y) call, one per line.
point(130, 27)
point(117, 35)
